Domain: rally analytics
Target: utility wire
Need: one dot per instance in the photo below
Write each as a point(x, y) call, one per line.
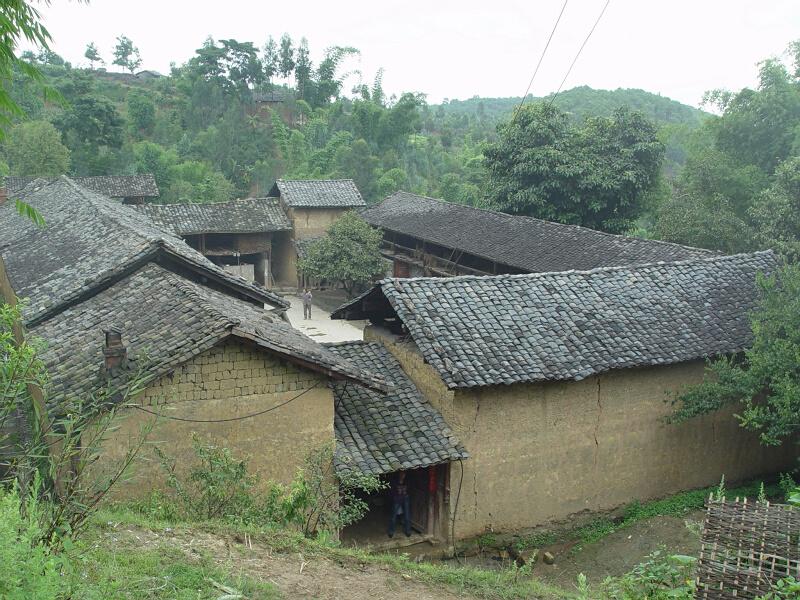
point(539, 64)
point(242, 418)
point(574, 60)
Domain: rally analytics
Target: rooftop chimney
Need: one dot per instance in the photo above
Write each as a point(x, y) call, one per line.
point(114, 352)
point(3, 195)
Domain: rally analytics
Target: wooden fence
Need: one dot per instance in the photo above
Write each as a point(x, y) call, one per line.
point(746, 547)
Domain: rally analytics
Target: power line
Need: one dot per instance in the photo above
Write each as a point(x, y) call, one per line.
point(242, 418)
point(539, 64)
point(574, 60)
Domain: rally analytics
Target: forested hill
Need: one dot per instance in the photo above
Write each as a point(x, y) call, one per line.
point(583, 102)
point(234, 117)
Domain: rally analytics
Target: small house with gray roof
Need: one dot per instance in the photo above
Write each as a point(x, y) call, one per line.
point(428, 237)
point(558, 384)
point(312, 206)
point(118, 300)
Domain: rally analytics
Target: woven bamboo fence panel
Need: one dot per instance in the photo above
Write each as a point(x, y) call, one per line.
point(746, 547)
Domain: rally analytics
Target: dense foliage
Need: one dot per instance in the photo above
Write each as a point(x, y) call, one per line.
point(739, 188)
point(766, 378)
point(597, 173)
point(234, 117)
point(348, 254)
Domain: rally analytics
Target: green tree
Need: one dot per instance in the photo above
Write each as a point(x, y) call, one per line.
point(595, 174)
point(286, 56)
point(126, 55)
point(392, 181)
point(302, 70)
point(34, 149)
point(141, 112)
point(776, 213)
point(766, 378)
point(270, 59)
point(349, 253)
point(21, 22)
point(92, 55)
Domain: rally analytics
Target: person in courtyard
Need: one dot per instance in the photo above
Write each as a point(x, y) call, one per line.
point(307, 303)
point(400, 504)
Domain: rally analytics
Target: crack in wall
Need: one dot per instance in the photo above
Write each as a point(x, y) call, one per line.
point(597, 423)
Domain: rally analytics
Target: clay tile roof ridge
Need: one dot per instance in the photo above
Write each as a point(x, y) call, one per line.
point(552, 274)
point(570, 226)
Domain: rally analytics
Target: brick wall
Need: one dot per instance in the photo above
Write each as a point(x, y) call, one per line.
point(229, 381)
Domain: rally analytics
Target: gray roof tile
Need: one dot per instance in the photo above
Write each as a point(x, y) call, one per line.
point(113, 186)
point(379, 433)
point(88, 240)
point(524, 243)
point(166, 320)
point(505, 329)
point(318, 193)
point(251, 215)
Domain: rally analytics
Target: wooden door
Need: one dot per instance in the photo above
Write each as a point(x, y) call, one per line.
point(401, 269)
point(418, 496)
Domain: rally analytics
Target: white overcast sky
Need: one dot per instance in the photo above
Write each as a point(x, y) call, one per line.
point(463, 48)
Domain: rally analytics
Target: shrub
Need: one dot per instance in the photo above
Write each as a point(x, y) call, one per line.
point(218, 486)
point(28, 567)
point(661, 577)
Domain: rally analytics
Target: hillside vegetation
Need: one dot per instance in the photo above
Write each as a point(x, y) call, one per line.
point(201, 131)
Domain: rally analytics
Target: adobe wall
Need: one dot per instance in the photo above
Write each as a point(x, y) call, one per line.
point(542, 452)
point(313, 222)
point(228, 381)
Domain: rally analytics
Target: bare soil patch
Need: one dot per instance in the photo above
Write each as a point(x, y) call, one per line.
point(296, 575)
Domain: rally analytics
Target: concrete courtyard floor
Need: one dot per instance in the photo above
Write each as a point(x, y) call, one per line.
point(320, 327)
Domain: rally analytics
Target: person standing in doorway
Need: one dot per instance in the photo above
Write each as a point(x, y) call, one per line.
point(307, 297)
point(400, 504)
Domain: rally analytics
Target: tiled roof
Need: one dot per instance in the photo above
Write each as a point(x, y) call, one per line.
point(88, 241)
point(165, 320)
point(524, 243)
point(251, 215)
point(319, 193)
point(379, 433)
point(113, 186)
point(506, 329)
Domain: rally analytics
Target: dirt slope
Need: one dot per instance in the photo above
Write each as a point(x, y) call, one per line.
point(295, 575)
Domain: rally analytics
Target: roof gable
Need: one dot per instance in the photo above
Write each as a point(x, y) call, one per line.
point(506, 329)
point(524, 243)
point(166, 320)
point(318, 193)
point(89, 241)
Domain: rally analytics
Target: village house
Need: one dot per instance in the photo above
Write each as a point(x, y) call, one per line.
point(239, 235)
point(111, 294)
point(558, 384)
point(428, 237)
point(129, 189)
point(312, 206)
point(261, 238)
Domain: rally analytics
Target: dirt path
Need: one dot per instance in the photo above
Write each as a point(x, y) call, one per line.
point(295, 575)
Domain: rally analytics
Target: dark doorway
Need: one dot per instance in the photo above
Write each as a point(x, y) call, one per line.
point(427, 499)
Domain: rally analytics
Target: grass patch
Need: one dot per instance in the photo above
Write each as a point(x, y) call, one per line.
point(509, 584)
point(677, 505)
point(164, 572)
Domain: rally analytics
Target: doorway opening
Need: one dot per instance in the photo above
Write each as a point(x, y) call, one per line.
point(428, 491)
